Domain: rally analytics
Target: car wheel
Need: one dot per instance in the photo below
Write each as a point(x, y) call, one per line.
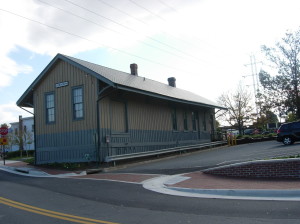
point(287, 140)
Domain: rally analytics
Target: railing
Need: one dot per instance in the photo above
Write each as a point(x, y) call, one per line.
point(218, 136)
point(115, 158)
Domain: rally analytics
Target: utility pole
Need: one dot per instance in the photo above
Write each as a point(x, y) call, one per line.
point(255, 79)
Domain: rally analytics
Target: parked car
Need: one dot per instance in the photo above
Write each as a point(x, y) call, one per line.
point(248, 131)
point(233, 132)
point(265, 133)
point(288, 133)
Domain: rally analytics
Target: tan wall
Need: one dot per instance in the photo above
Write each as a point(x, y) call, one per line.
point(64, 122)
point(153, 115)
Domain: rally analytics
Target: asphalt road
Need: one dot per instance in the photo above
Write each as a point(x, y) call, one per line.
point(214, 157)
point(114, 202)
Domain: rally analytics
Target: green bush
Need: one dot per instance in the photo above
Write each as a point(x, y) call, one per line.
point(67, 166)
point(16, 154)
point(30, 160)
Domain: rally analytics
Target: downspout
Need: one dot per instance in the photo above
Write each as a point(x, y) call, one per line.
point(99, 117)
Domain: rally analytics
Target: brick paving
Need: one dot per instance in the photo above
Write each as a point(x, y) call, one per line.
point(199, 180)
point(16, 164)
point(196, 180)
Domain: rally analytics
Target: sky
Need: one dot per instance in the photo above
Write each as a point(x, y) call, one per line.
point(207, 45)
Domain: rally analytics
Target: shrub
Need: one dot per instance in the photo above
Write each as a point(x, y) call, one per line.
point(15, 154)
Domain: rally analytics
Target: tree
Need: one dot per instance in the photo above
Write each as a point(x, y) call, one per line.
point(238, 103)
point(281, 90)
point(290, 117)
point(28, 140)
point(264, 119)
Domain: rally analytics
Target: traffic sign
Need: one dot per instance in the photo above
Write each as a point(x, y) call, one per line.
point(3, 141)
point(3, 131)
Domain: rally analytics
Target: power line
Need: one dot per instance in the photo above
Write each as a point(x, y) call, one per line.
point(152, 13)
point(92, 41)
point(192, 44)
point(107, 28)
point(147, 24)
point(168, 6)
point(129, 28)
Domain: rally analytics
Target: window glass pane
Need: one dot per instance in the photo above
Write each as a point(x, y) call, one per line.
point(51, 115)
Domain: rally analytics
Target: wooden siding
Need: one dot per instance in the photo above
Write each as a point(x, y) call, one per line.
point(118, 116)
point(145, 115)
point(64, 122)
point(149, 121)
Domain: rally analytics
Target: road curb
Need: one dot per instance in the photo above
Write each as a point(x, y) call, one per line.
point(272, 194)
point(159, 185)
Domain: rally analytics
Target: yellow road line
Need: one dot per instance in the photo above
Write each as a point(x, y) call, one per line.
point(50, 213)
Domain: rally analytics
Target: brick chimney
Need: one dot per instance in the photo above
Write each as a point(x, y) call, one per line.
point(133, 69)
point(172, 81)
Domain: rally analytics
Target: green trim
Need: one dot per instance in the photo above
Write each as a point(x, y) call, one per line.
point(73, 104)
point(46, 108)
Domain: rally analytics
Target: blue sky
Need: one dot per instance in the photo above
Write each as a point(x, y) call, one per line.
point(205, 44)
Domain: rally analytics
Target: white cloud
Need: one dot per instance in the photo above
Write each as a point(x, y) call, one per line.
point(9, 68)
point(10, 113)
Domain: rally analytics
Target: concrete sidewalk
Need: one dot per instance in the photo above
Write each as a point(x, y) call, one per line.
point(195, 184)
point(22, 168)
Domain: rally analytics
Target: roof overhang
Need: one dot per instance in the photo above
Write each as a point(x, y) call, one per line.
point(26, 100)
point(159, 96)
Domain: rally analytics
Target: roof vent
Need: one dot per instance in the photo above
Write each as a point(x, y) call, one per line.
point(133, 69)
point(172, 81)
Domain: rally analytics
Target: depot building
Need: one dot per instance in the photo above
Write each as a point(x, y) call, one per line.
point(88, 112)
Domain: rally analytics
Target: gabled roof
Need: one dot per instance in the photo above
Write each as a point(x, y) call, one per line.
point(121, 80)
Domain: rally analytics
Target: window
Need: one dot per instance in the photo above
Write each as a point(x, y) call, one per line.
point(295, 125)
point(50, 108)
point(185, 121)
point(77, 94)
point(174, 119)
point(194, 120)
